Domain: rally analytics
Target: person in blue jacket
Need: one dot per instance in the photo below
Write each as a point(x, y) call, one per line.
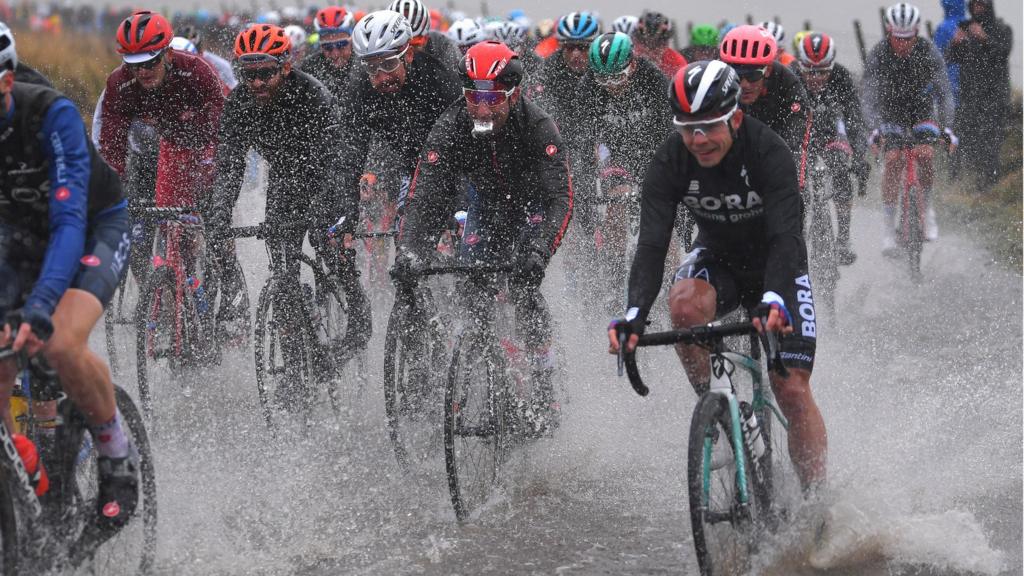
point(956, 12)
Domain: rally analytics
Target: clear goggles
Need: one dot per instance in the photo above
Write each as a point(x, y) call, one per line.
point(692, 127)
point(384, 65)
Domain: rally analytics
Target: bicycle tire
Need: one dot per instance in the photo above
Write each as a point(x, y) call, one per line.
point(722, 529)
point(330, 328)
point(9, 544)
point(487, 428)
point(259, 352)
point(914, 231)
point(147, 323)
point(823, 260)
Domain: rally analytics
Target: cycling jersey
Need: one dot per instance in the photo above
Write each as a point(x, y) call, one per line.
point(442, 49)
point(185, 110)
point(52, 185)
point(400, 121)
point(748, 210)
point(553, 88)
point(320, 67)
point(906, 91)
point(520, 177)
point(781, 107)
point(297, 135)
point(837, 109)
point(667, 60)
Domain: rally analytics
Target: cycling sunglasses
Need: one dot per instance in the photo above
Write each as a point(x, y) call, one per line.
point(692, 127)
point(612, 79)
point(815, 71)
point(385, 65)
point(335, 45)
point(751, 73)
point(263, 74)
point(487, 97)
point(148, 64)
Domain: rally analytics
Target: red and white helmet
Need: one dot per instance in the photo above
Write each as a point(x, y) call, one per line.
point(816, 51)
point(143, 36)
point(333, 19)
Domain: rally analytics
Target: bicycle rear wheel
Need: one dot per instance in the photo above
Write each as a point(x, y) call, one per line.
point(477, 430)
point(722, 524)
point(824, 267)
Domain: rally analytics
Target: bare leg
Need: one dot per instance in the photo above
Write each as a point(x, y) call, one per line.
point(692, 303)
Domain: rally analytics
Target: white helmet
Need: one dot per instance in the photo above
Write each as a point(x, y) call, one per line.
point(465, 32)
point(416, 13)
point(506, 32)
point(297, 35)
point(625, 24)
point(901, 20)
point(381, 33)
point(183, 44)
point(8, 54)
point(775, 29)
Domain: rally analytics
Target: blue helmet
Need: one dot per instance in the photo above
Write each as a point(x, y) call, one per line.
point(578, 26)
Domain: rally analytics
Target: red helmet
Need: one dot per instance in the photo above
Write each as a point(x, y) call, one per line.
point(748, 46)
point(816, 51)
point(334, 18)
point(491, 65)
point(142, 36)
point(262, 39)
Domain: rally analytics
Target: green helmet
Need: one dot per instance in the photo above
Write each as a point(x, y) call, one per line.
point(704, 35)
point(610, 53)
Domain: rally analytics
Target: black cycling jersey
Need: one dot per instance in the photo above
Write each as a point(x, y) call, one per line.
point(748, 210)
point(906, 91)
point(441, 47)
point(553, 88)
point(332, 77)
point(782, 107)
point(401, 121)
point(519, 175)
point(25, 73)
point(297, 134)
point(838, 102)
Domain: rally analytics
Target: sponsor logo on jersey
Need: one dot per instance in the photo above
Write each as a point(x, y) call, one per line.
point(62, 194)
point(808, 325)
point(795, 107)
point(432, 157)
point(551, 150)
point(694, 186)
point(90, 260)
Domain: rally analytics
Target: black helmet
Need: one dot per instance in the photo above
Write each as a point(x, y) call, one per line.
point(654, 25)
point(704, 88)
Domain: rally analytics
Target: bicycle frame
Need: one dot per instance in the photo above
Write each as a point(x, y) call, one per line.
point(910, 185)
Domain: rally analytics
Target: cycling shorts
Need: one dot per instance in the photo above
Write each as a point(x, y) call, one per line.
point(107, 243)
point(744, 286)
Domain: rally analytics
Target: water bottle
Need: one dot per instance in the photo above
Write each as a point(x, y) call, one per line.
point(752, 432)
point(199, 293)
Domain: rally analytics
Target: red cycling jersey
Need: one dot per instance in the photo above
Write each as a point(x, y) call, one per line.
point(668, 60)
point(185, 111)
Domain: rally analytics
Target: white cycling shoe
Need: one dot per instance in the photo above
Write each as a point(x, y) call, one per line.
point(931, 226)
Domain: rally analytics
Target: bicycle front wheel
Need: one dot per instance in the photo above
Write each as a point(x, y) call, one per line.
point(723, 505)
point(156, 343)
point(477, 430)
point(913, 230)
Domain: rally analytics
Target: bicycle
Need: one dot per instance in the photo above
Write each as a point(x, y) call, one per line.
point(120, 312)
point(732, 467)
point(314, 354)
point(58, 531)
point(821, 239)
point(173, 319)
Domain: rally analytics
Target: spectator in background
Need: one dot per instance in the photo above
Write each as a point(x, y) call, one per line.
point(956, 12)
point(981, 47)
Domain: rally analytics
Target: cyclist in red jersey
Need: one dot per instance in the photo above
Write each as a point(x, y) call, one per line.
point(651, 39)
point(179, 94)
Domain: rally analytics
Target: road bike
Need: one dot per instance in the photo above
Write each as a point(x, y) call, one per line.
point(821, 238)
point(176, 328)
point(735, 453)
point(59, 531)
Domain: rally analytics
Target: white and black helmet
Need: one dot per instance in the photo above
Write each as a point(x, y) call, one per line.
point(415, 12)
point(775, 29)
point(8, 54)
point(506, 32)
point(465, 32)
point(902, 20)
point(625, 24)
point(381, 33)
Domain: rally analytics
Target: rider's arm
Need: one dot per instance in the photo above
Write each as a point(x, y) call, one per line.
point(658, 204)
point(64, 142)
point(115, 123)
point(232, 147)
point(943, 92)
point(869, 87)
point(850, 102)
point(551, 163)
point(793, 98)
point(199, 121)
point(355, 139)
point(434, 187)
point(775, 176)
point(333, 199)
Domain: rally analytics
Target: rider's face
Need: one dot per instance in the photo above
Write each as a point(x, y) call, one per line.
point(815, 80)
point(150, 74)
point(575, 56)
point(711, 143)
point(387, 75)
point(496, 114)
point(337, 48)
point(902, 47)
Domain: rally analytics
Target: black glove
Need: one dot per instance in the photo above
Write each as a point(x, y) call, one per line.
point(34, 316)
point(529, 267)
point(630, 323)
point(407, 268)
point(862, 170)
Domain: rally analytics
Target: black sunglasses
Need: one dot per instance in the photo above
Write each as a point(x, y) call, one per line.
point(751, 73)
point(264, 74)
point(148, 64)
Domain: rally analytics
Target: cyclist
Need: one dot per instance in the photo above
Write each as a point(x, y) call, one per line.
point(220, 65)
point(738, 180)
point(838, 128)
point(779, 33)
point(703, 43)
point(431, 42)
point(513, 35)
point(292, 121)
point(651, 40)
point(395, 97)
point(465, 33)
point(25, 72)
point(769, 91)
point(64, 240)
point(332, 63)
point(520, 206)
point(555, 83)
point(905, 88)
point(626, 24)
point(297, 35)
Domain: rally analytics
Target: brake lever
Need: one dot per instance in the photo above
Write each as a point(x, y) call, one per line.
point(622, 352)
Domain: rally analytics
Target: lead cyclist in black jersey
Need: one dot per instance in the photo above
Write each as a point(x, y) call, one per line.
point(738, 180)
